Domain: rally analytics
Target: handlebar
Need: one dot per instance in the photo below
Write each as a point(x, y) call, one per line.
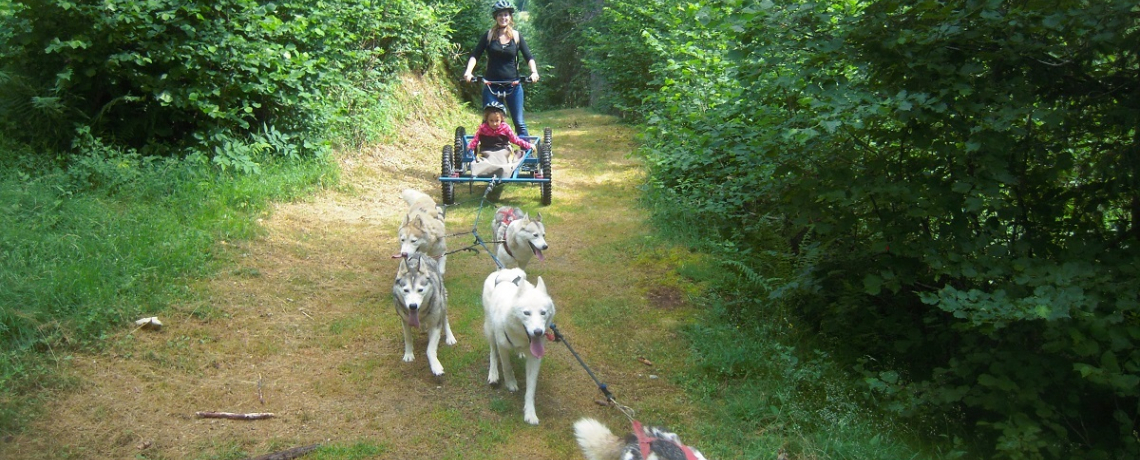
point(480, 79)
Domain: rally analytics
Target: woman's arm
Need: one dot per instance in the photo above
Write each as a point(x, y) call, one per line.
point(525, 50)
point(479, 47)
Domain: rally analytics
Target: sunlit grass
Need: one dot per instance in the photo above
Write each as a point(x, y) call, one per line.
point(93, 248)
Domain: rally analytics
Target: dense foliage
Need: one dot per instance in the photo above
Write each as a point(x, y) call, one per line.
point(137, 135)
point(957, 184)
point(161, 75)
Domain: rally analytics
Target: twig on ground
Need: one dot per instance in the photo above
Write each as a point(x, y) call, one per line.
point(233, 416)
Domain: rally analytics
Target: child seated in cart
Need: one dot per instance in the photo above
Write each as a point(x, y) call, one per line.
point(494, 139)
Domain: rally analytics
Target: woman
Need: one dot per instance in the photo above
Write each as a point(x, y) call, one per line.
point(503, 44)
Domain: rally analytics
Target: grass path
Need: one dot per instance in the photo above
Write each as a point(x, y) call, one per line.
point(302, 325)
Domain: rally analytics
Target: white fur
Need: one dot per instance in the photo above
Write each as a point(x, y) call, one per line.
point(515, 314)
point(597, 441)
point(523, 238)
point(422, 230)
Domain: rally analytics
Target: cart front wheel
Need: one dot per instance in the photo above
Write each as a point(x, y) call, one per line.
point(460, 147)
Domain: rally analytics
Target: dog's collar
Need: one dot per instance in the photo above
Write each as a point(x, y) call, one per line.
point(644, 441)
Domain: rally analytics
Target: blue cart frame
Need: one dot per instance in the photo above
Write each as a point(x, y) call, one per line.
point(455, 166)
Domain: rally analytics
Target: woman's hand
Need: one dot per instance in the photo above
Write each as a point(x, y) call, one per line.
point(533, 77)
point(467, 77)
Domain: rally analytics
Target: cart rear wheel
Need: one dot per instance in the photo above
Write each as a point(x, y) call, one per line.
point(446, 167)
point(544, 163)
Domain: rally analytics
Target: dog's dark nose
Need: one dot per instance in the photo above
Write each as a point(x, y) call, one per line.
point(537, 332)
point(414, 306)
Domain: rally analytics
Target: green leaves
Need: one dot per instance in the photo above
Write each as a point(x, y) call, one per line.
point(946, 177)
point(158, 75)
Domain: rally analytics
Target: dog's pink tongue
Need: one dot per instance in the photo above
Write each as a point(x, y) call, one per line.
point(538, 253)
point(414, 318)
point(538, 346)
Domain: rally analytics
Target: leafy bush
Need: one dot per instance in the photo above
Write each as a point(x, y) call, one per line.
point(162, 74)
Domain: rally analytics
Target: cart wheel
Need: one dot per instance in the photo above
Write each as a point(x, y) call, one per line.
point(460, 147)
point(548, 139)
point(544, 164)
point(446, 167)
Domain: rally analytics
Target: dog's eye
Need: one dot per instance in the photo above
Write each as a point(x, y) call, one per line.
point(543, 313)
point(526, 313)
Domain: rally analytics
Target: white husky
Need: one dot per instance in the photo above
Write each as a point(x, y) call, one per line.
point(421, 299)
point(422, 230)
point(645, 443)
point(517, 315)
point(522, 237)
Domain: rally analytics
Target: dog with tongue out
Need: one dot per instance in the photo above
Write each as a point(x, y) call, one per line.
point(421, 300)
point(517, 316)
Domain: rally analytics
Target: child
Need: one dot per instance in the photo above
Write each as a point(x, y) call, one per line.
point(494, 139)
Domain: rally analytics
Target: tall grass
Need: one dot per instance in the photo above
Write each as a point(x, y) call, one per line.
point(771, 386)
point(112, 236)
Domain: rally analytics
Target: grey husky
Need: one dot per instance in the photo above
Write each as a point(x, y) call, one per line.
point(421, 299)
point(522, 237)
point(517, 315)
point(645, 443)
point(422, 230)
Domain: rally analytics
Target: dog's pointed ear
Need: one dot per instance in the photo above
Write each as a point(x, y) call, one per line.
point(524, 287)
point(403, 267)
point(537, 217)
point(541, 286)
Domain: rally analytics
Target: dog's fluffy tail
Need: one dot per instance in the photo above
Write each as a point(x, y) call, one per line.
point(597, 441)
point(411, 196)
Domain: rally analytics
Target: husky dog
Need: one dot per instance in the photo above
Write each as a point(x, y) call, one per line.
point(421, 298)
point(517, 315)
point(422, 230)
point(521, 236)
point(645, 443)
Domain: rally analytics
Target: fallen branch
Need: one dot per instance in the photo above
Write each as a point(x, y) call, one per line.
point(288, 454)
point(233, 416)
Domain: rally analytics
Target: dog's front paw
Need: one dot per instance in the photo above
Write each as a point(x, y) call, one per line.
point(451, 340)
point(437, 370)
point(531, 418)
point(511, 385)
point(408, 357)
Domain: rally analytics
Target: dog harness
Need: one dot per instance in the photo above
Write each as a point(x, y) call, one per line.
point(645, 442)
point(516, 281)
point(508, 217)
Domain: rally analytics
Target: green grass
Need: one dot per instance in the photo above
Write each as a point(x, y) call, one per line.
point(769, 386)
point(112, 238)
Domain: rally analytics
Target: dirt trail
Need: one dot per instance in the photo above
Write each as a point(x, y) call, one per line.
point(301, 325)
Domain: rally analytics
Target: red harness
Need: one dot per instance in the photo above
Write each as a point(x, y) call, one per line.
point(508, 217)
point(644, 441)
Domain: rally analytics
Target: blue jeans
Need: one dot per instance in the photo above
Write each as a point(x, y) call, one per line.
point(513, 100)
